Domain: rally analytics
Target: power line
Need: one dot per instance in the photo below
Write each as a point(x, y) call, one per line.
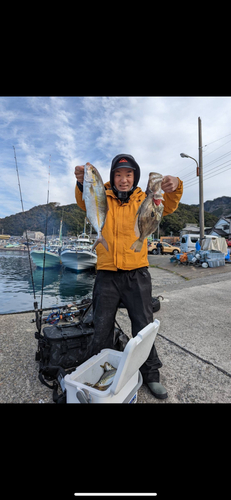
point(205, 179)
point(217, 148)
point(193, 165)
point(210, 170)
point(192, 174)
point(208, 177)
point(186, 168)
point(217, 140)
point(210, 163)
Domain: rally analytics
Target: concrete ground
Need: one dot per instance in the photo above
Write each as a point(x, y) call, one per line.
point(196, 316)
point(194, 340)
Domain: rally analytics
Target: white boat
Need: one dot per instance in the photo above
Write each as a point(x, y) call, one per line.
point(52, 256)
point(79, 256)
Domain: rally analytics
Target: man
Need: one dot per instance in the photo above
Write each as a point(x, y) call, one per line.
point(122, 274)
point(159, 248)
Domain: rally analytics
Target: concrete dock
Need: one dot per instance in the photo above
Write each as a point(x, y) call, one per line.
point(194, 340)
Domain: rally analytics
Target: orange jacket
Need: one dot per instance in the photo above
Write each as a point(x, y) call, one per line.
point(119, 232)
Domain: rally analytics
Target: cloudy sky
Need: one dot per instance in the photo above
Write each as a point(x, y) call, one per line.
point(69, 131)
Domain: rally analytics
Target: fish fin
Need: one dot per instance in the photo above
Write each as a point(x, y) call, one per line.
point(104, 243)
point(137, 245)
point(102, 240)
point(136, 228)
point(140, 207)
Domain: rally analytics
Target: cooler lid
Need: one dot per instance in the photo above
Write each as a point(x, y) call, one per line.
point(135, 354)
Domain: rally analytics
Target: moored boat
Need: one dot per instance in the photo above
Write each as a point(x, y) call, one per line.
point(79, 256)
point(52, 256)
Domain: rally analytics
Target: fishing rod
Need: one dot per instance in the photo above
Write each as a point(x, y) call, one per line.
point(39, 317)
point(45, 242)
point(27, 239)
point(38, 314)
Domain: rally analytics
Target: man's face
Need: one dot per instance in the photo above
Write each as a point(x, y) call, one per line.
point(124, 179)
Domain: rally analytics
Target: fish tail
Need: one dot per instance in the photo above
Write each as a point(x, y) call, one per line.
point(137, 245)
point(102, 240)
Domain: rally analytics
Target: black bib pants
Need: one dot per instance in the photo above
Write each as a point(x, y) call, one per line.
point(134, 289)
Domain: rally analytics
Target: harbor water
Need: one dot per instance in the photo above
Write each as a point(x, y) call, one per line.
point(61, 286)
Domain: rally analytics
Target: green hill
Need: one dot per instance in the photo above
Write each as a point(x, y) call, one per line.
point(183, 215)
point(35, 220)
point(73, 220)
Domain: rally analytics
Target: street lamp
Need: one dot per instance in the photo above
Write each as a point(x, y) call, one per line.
point(201, 204)
point(183, 155)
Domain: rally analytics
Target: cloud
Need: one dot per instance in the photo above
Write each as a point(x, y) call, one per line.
point(74, 130)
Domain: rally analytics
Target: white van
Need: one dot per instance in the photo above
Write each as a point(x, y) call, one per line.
point(188, 241)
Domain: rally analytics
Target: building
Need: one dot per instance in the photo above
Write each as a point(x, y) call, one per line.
point(222, 227)
point(34, 235)
point(190, 229)
point(193, 229)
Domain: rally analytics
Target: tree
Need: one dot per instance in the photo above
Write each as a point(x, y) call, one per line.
point(184, 214)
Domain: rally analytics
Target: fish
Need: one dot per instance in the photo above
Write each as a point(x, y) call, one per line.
point(95, 201)
point(107, 366)
point(106, 379)
point(150, 211)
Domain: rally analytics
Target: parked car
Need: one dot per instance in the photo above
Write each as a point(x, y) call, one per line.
point(170, 249)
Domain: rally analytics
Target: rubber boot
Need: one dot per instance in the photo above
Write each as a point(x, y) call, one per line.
point(158, 390)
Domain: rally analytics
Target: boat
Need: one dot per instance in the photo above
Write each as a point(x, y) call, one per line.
point(79, 256)
point(52, 252)
point(52, 256)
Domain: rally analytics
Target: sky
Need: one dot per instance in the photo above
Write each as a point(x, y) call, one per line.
point(63, 131)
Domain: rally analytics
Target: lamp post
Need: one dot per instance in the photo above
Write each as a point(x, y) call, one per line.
point(183, 155)
point(201, 203)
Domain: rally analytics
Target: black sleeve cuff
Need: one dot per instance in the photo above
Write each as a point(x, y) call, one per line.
point(80, 186)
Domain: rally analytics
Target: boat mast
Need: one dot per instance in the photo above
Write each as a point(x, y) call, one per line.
point(60, 230)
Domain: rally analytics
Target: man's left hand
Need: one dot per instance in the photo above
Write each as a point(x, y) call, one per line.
point(169, 184)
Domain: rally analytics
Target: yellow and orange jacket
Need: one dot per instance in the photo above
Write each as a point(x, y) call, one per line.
point(119, 232)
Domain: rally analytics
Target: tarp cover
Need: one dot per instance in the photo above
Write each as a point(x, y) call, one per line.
point(218, 244)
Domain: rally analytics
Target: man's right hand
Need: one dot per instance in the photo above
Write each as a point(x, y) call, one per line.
point(79, 173)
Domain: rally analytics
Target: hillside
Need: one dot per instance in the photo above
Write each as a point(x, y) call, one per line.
point(73, 220)
point(35, 220)
point(183, 215)
point(218, 206)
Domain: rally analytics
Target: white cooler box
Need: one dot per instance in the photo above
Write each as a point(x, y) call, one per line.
point(128, 378)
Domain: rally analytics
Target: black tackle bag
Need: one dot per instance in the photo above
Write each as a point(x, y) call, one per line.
point(61, 348)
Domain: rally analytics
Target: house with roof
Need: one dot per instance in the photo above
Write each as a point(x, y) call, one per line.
point(193, 229)
point(34, 235)
point(222, 227)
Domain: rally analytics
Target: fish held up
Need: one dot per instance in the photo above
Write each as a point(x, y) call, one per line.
point(95, 201)
point(150, 211)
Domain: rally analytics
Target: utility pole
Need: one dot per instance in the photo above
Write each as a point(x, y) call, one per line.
point(201, 196)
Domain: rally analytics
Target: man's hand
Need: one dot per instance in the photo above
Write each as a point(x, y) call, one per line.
point(169, 184)
point(79, 173)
